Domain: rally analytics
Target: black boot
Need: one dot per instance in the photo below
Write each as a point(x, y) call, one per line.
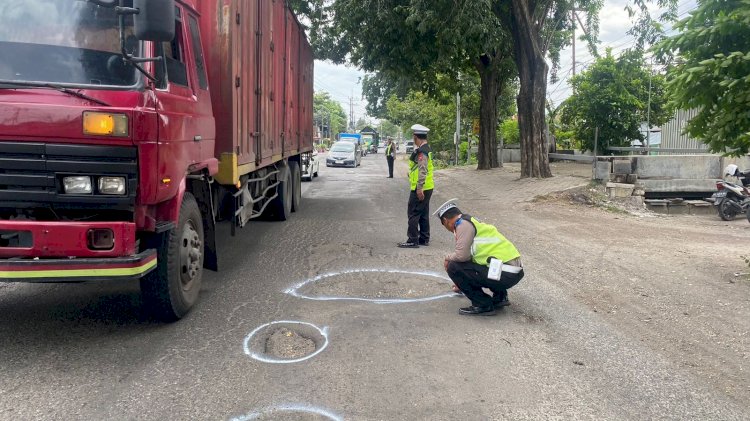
point(477, 311)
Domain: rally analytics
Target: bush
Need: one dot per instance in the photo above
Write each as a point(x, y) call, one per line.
point(511, 133)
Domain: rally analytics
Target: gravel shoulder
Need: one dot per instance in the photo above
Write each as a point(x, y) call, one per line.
point(668, 284)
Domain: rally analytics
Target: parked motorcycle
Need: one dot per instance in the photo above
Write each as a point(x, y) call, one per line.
point(733, 199)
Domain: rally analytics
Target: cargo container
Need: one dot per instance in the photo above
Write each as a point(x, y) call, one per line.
point(128, 132)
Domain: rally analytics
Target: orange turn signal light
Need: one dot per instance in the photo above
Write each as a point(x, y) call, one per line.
point(105, 124)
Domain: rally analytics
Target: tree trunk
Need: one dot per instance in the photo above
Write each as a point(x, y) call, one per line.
point(489, 74)
point(532, 72)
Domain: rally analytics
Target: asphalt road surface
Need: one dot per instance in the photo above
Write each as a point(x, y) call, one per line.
point(374, 335)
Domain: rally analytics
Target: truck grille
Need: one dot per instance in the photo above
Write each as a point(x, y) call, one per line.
point(31, 174)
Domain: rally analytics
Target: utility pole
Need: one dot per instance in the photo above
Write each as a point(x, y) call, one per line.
point(351, 114)
point(648, 109)
point(457, 140)
point(573, 21)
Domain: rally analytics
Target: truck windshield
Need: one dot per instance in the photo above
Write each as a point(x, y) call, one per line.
point(64, 42)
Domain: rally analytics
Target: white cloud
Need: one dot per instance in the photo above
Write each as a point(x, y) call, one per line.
point(342, 82)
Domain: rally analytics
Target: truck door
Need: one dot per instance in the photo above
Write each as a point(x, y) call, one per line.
point(186, 126)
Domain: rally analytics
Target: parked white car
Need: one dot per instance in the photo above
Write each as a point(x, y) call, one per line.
point(310, 165)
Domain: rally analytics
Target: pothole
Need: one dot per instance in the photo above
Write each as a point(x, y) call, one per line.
point(285, 342)
point(375, 285)
point(291, 413)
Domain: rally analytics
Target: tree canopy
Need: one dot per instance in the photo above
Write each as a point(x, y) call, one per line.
point(324, 107)
point(613, 95)
point(711, 73)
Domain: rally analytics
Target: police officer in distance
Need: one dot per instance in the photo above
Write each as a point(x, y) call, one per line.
point(390, 156)
point(468, 266)
point(421, 183)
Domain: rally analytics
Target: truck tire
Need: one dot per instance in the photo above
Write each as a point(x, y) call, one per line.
point(296, 185)
point(280, 208)
point(171, 289)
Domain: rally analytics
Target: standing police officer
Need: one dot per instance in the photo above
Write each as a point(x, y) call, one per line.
point(421, 181)
point(477, 245)
point(390, 156)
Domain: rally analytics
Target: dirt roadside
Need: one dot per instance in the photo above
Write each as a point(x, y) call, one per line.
point(667, 282)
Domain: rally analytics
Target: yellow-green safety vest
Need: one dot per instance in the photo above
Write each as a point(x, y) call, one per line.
point(388, 149)
point(488, 242)
point(429, 183)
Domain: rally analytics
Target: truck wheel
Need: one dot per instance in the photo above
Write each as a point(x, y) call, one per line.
point(171, 289)
point(280, 208)
point(296, 185)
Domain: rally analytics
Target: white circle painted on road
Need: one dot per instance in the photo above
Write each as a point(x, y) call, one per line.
point(263, 358)
point(295, 289)
point(290, 408)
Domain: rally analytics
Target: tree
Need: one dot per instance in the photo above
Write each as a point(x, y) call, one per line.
point(420, 107)
point(327, 110)
point(712, 52)
point(613, 95)
point(387, 128)
point(409, 43)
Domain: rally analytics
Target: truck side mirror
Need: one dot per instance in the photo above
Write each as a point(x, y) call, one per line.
point(155, 20)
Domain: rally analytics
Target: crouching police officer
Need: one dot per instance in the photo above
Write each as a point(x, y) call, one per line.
point(483, 258)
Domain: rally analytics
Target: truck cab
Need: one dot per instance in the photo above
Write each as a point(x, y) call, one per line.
point(108, 142)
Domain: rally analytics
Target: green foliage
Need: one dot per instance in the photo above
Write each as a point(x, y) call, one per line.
point(387, 128)
point(510, 132)
point(323, 107)
point(463, 149)
point(710, 73)
point(419, 108)
point(613, 96)
point(566, 139)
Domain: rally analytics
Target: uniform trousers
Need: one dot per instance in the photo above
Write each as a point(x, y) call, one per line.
point(471, 278)
point(390, 166)
point(419, 217)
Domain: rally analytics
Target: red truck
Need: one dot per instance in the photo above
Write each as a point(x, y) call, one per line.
point(129, 128)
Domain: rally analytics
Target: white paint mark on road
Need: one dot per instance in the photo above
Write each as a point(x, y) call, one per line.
point(295, 289)
point(246, 344)
point(290, 408)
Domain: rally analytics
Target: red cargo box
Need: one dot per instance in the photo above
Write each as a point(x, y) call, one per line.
point(260, 69)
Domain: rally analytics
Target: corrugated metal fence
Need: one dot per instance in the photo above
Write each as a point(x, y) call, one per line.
point(672, 136)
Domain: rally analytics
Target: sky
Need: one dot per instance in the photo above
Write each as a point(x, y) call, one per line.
point(344, 82)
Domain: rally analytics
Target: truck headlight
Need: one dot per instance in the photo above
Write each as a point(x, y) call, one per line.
point(79, 184)
point(112, 185)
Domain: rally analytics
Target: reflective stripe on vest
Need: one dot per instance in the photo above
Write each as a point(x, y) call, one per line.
point(388, 149)
point(429, 183)
point(488, 242)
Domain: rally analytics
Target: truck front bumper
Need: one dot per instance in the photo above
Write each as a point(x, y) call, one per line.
point(78, 270)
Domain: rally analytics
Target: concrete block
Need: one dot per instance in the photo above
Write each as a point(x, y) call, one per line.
point(658, 206)
point(700, 207)
point(622, 167)
point(680, 208)
point(678, 166)
point(676, 185)
point(617, 190)
point(637, 191)
point(602, 170)
point(618, 178)
point(631, 178)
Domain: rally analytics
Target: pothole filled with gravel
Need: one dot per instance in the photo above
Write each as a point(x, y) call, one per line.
point(384, 286)
point(285, 342)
